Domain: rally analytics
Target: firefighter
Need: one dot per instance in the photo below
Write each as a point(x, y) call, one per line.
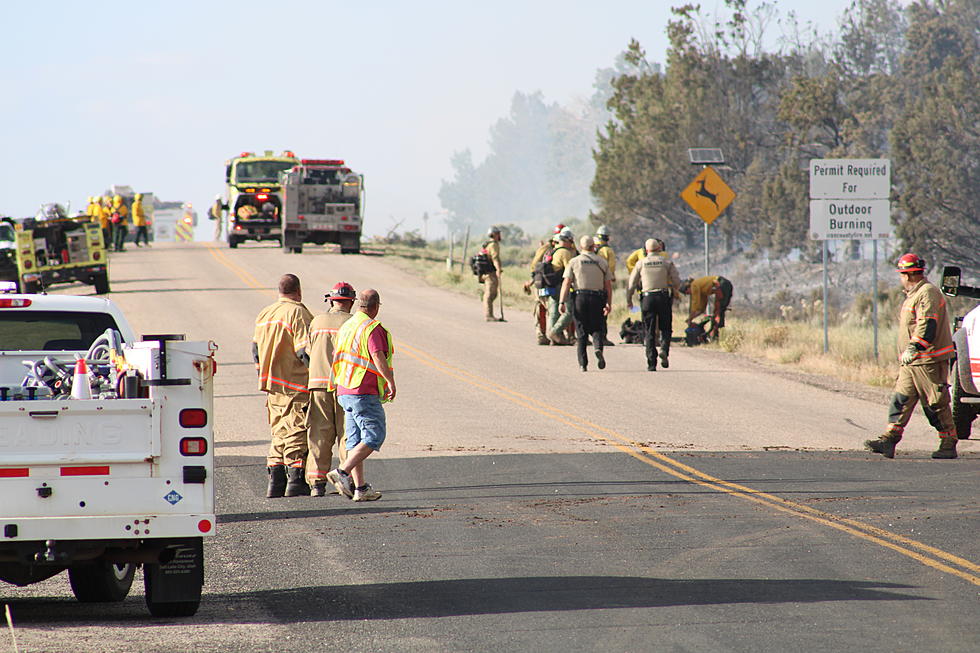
point(657, 280)
point(700, 290)
point(139, 221)
point(491, 280)
point(120, 223)
point(540, 310)
point(605, 250)
point(925, 347)
point(280, 351)
point(216, 212)
point(589, 274)
point(106, 222)
point(558, 320)
point(92, 209)
point(634, 258)
point(325, 418)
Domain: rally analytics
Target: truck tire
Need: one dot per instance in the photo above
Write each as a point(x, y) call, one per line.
point(232, 242)
point(173, 589)
point(101, 582)
point(298, 249)
point(963, 414)
point(31, 287)
point(350, 244)
point(101, 283)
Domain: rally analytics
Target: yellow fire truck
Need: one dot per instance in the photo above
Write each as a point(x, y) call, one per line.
point(253, 196)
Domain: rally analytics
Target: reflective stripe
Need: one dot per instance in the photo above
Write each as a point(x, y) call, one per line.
point(320, 332)
point(284, 325)
point(286, 384)
point(938, 352)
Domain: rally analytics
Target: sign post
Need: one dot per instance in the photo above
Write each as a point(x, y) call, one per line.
point(849, 201)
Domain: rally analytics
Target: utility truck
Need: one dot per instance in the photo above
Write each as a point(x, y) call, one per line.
point(253, 197)
point(106, 471)
point(323, 203)
point(965, 377)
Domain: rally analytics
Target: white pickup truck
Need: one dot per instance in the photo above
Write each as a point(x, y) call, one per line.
point(965, 376)
point(100, 486)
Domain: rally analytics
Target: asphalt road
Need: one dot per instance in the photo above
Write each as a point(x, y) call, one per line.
point(714, 506)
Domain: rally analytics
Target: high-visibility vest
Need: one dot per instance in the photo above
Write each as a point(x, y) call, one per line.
point(352, 358)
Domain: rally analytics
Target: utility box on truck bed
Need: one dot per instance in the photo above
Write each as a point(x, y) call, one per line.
point(98, 486)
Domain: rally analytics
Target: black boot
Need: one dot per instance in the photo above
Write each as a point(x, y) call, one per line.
point(277, 482)
point(296, 483)
point(664, 353)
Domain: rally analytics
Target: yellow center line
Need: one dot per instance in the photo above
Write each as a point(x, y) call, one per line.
point(677, 469)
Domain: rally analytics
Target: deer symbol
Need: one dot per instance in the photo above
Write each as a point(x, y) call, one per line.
point(703, 192)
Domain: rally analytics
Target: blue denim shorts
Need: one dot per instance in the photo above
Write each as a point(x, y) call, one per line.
point(364, 420)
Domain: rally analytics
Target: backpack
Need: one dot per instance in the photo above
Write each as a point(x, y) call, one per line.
point(633, 332)
point(545, 275)
point(480, 262)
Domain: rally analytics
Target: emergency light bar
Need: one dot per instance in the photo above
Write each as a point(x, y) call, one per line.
point(322, 162)
point(8, 286)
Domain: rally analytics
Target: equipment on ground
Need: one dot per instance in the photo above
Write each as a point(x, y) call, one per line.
point(251, 181)
point(323, 202)
point(98, 486)
point(53, 249)
point(965, 381)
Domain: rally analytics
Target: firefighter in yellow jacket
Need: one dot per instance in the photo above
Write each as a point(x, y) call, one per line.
point(139, 221)
point(280, 350)
point(119, 217)
point(325, 419)
point(925, 347)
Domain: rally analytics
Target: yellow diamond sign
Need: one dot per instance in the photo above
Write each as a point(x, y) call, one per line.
point(708, 195)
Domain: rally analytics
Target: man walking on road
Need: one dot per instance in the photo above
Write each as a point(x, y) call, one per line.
point(589, 274)
point(325, 418)
point(365, 379)
point(925, 346)
point(656, 278)
point(279, 348)
point(491, 280)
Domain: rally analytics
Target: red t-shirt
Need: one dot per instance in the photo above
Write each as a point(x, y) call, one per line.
point(377, 342)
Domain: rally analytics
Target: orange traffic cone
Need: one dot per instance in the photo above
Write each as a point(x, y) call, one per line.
point(80, 385)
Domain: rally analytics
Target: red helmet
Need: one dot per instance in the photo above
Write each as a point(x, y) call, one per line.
point(559, 227)
point(911, 263)
point(342, 290)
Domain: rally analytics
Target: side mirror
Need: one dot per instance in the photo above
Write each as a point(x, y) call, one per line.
point(951, 280)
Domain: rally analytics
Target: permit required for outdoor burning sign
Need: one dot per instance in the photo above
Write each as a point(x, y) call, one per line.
point(849, 199)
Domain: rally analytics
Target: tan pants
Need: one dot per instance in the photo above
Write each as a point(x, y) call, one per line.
point(490, 286)
point(287, 421)
point(927, 383)
point(325, 422)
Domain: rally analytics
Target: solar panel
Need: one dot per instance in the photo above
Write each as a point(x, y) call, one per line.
point(705, 155)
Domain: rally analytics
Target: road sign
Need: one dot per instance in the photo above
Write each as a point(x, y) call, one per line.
point(708, 195)
point(860, 179)
point(846, 219)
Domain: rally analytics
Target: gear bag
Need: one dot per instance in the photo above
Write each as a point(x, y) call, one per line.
point(480, 262)
point(633, 332)
point(545, 274)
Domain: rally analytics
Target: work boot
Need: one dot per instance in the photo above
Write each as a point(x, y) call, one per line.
point(318, 489)
point(543, 339)
point(665, 353)
point(600, 361)
point(885, 445)
point(946, 450)
point(277, 482)
point(296, 483)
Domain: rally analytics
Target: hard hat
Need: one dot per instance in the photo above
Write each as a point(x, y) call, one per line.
point(138, 196)
point(559, 227)
point(217, 198)
point(566, 234)
point(911, 263)
point(493, 230)
point(602, 232)
point(342, 290)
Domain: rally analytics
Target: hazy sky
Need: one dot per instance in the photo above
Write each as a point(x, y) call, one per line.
point(158, 95)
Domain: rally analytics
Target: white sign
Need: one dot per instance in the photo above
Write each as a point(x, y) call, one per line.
point(860, 179)
point(850, 219)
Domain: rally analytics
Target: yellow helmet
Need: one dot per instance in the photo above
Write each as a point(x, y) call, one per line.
point(138, 196)
point(116, 200)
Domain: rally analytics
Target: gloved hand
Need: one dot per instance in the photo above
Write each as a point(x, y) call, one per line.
point(909, 355)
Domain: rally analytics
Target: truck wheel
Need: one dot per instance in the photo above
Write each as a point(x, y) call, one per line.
point(298, 250)
point(963, 414)
point(350, 244)
point(101, 582)
point(232, 242)
point(101, 284)
point(31, 287)
point(174, 589)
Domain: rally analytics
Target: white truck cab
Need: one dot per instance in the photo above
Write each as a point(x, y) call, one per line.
point(965, 369)
point(98, 486)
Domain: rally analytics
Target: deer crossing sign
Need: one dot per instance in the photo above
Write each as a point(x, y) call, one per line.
point(708, 195)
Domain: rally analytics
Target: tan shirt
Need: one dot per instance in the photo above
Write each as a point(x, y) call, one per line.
point(588, 271)
point(655, 272)
point(923, 303)
point(539, 254)
point(561, 257)
point(608, 253)
point(281, 338)
point(701, 289)
point(323, 331)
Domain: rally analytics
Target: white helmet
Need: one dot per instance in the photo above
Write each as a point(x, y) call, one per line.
point(493, 230)
point(602, 232)
point(566, 234)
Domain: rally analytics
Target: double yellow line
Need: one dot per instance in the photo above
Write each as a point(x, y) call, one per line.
point(918, 551)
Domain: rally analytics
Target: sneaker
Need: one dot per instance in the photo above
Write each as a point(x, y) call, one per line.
point(318, 489)
point(367, 494)
point(601, 361)
point(342, 482)
point(885, 447)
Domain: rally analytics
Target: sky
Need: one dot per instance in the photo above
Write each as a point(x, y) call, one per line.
point(158, 95)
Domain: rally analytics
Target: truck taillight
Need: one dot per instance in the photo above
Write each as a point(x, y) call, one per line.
point(193, 446)
point(193, 418)
point(261, 196)
point(96, 256)
point(27, 265)
point(14, 303)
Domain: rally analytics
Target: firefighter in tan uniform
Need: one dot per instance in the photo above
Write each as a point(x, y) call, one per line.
point(657, 280)
point(605, 250)
point(491, 280)
point(558, 321)
point(325, 419)
point(701, 290)
point(925, 347)
point(279, 348)
point(540, 310)
point(588, 274)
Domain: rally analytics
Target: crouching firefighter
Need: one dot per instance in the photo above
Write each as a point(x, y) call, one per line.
point(925, 347)
point(279, 348)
